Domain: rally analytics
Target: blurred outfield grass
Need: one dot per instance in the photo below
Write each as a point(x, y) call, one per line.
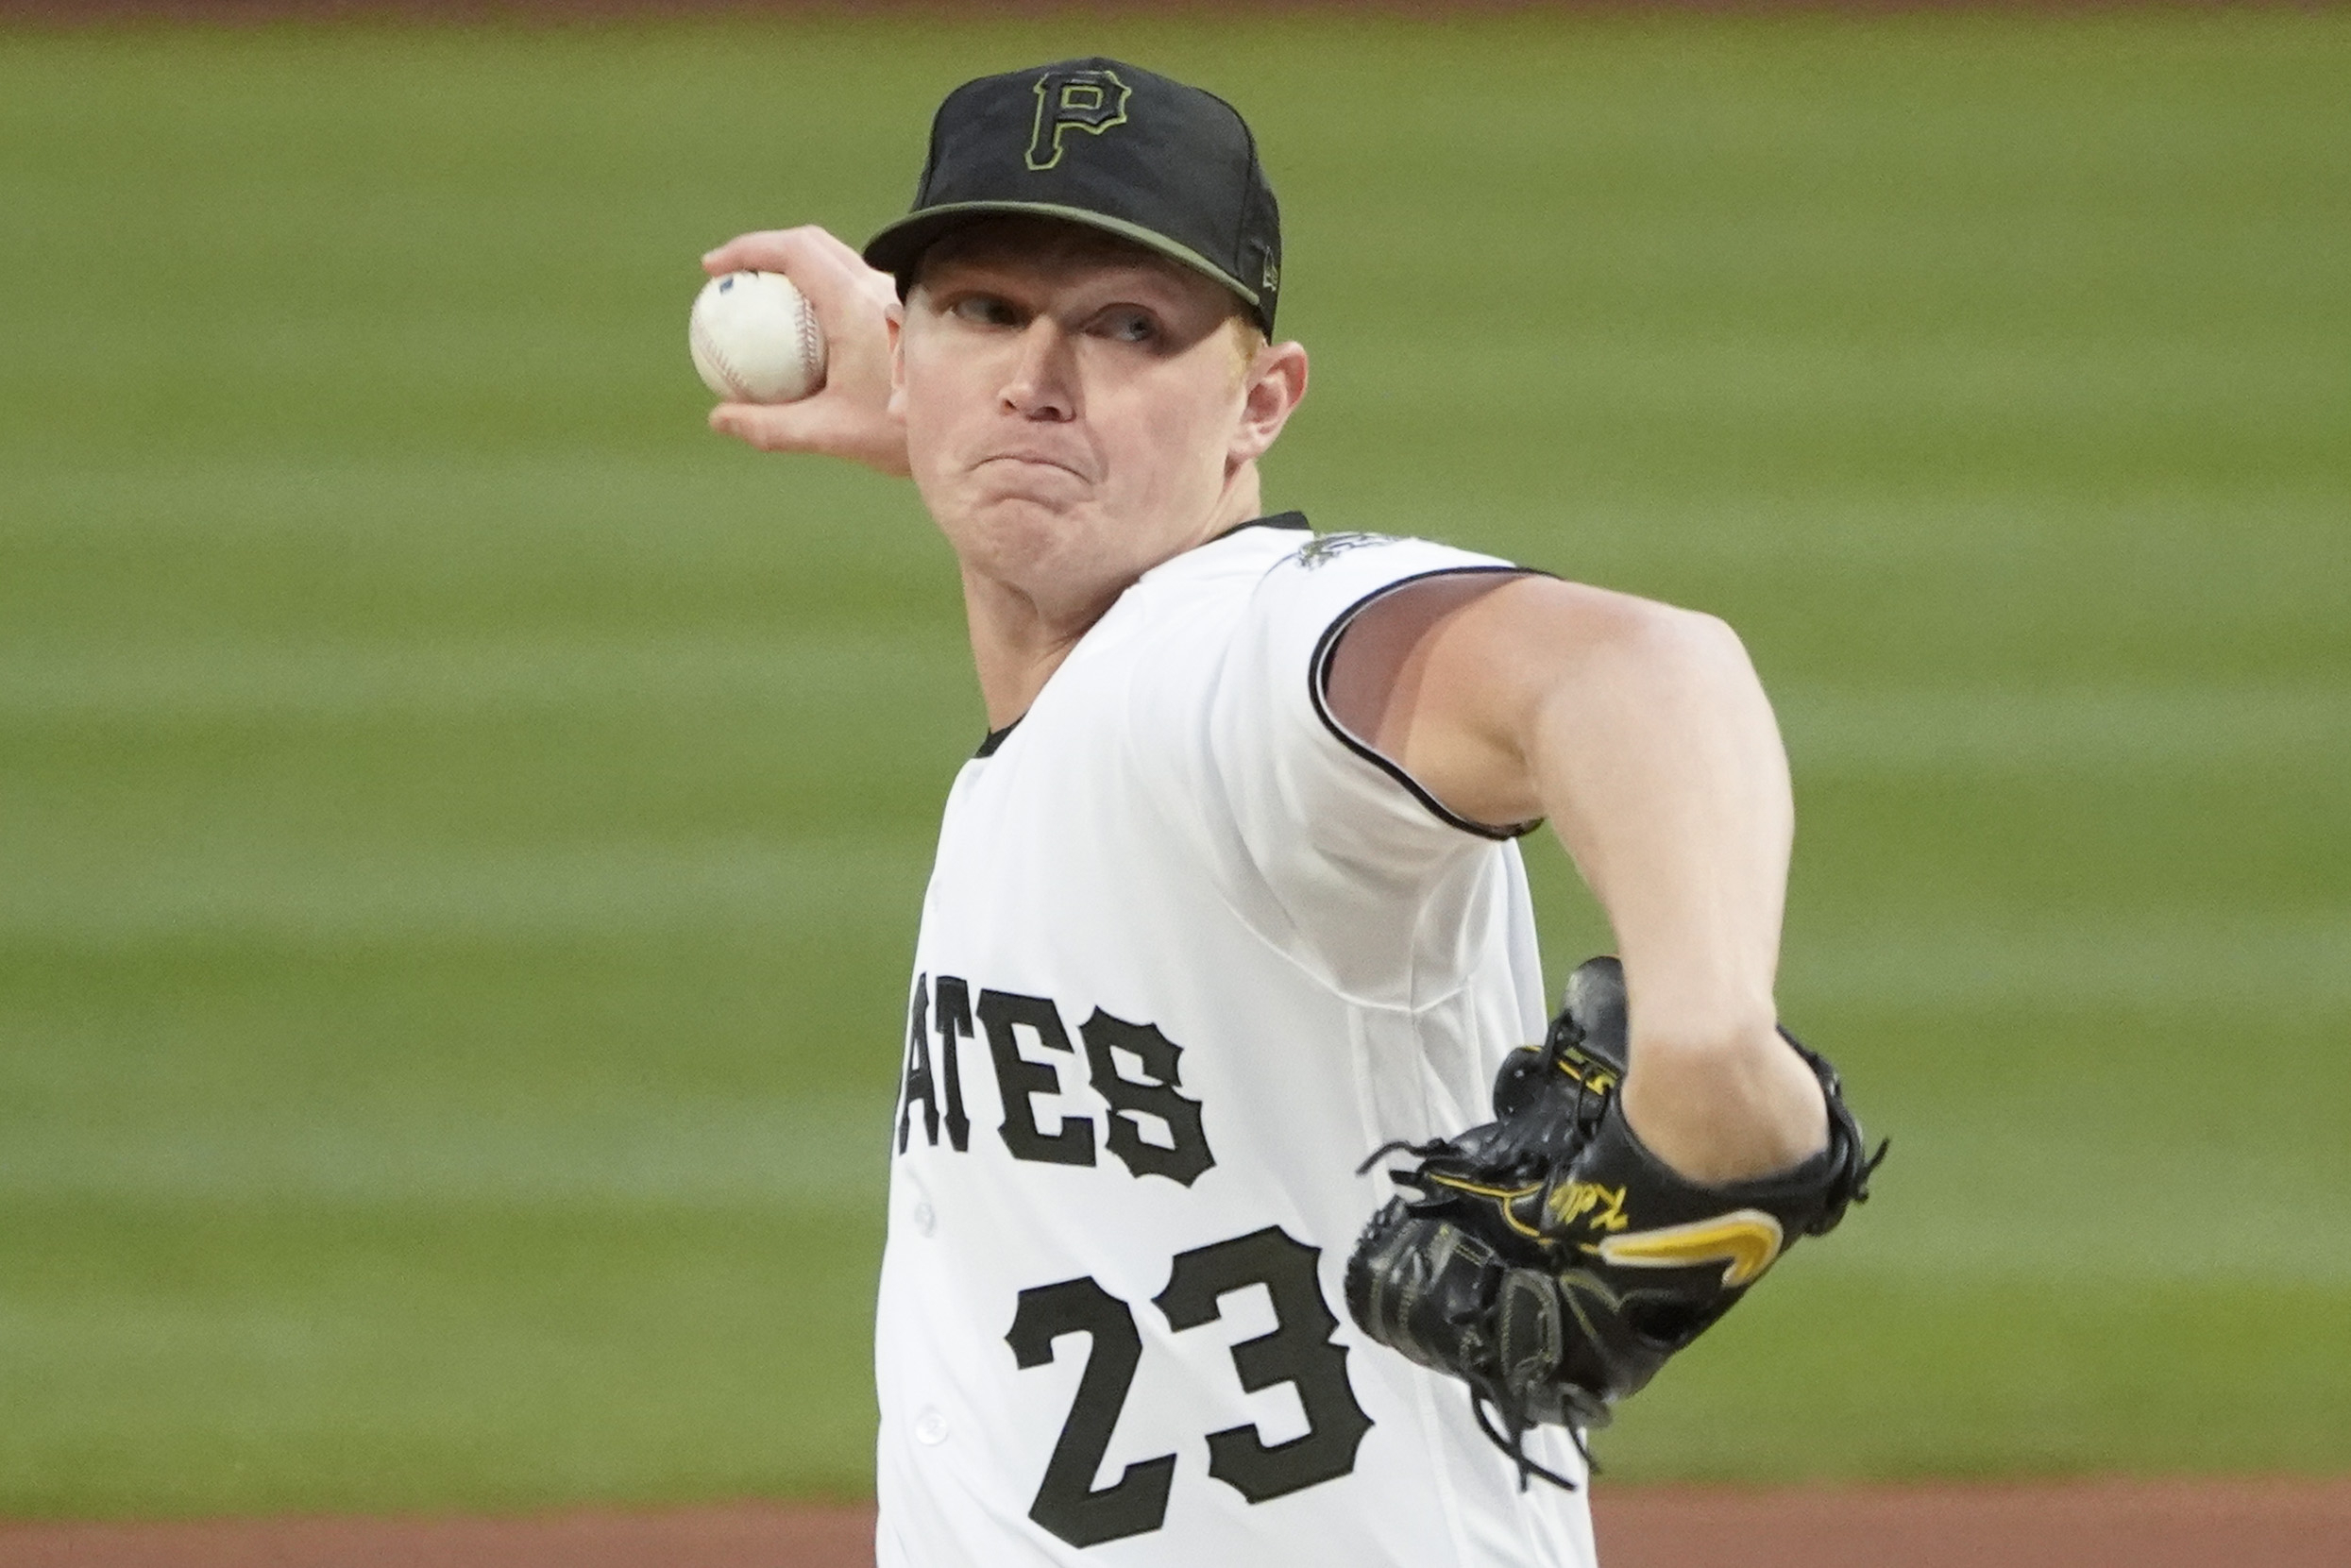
point(461, 825)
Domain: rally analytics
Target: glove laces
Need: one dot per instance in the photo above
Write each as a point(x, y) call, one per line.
point(1514, 1445)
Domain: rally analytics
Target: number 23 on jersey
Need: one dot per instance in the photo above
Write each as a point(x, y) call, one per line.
point(1299, 1352)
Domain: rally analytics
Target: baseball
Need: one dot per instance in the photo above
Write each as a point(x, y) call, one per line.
point(755, 339)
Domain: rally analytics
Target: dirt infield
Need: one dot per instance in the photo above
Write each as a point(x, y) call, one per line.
point(2258, 1524)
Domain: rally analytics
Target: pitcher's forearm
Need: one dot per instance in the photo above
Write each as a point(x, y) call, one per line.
point(1661, 767)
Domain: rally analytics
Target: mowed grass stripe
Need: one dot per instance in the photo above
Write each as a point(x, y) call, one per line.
point(1997, 960)
point(605, 889)
point(800, 676)
point(801, 1151)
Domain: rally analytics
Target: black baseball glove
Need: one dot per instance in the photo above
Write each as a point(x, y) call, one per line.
point(1550, 1261)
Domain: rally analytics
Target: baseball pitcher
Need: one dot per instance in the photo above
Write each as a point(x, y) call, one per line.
point(1236, 1214)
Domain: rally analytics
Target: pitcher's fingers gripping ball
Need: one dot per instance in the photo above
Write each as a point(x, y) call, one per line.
point(844, 412)
point(754, 339)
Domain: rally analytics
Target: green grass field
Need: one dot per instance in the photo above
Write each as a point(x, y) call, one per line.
point(461, 824)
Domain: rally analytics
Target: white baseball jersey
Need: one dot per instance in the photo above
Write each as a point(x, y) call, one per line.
point(1189, 953)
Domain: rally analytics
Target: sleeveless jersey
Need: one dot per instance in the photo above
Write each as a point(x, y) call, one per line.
point(1188, 954)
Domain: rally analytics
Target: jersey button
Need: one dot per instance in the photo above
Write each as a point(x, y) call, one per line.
point(930, 1428)
point(926, 1219)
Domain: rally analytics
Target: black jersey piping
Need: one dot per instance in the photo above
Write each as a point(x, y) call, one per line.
point(1280, 519)
point(996, 738)
point(1318, 675)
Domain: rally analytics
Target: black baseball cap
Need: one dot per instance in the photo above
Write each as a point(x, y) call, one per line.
point(1109, 146)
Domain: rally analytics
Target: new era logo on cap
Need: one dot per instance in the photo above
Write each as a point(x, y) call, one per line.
point(1073, 100)
point(1109, 145)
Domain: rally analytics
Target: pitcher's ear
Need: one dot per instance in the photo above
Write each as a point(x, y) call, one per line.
point(1272, 388)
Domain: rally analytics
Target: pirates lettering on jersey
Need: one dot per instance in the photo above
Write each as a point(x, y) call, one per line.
point(921, 1083)
point(1151, 1126)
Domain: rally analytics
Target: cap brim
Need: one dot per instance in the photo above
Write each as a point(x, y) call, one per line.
point(896, 249)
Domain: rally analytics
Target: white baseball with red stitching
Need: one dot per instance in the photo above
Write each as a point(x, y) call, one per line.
point(755, 339)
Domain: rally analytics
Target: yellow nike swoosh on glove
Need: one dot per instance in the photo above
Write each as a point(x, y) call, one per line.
point(1747, 1241)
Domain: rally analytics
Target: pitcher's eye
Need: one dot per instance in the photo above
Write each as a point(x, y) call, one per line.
point(985, 309)
point(1130, 325)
